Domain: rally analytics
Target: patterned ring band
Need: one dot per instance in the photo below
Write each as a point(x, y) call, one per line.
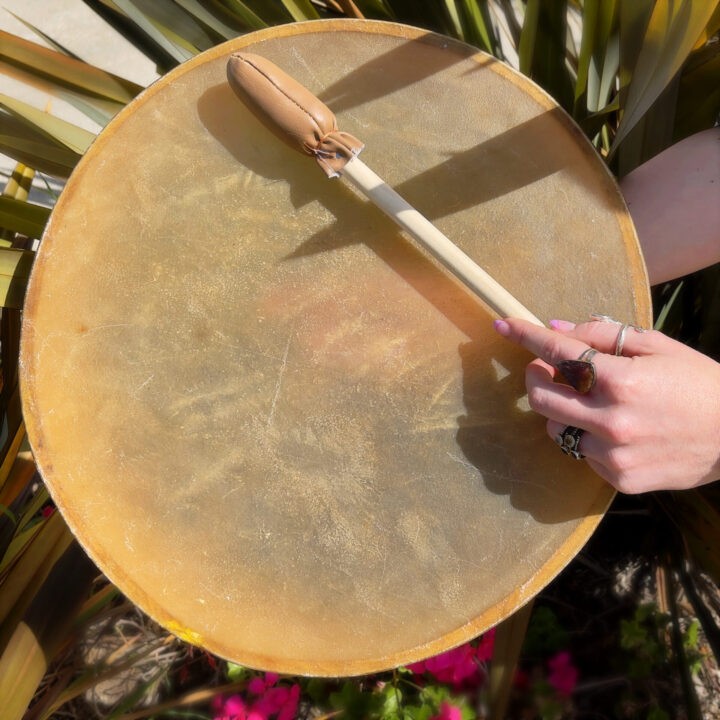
point(569, 441)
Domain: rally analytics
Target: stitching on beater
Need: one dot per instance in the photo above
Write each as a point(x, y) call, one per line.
point(282, 92)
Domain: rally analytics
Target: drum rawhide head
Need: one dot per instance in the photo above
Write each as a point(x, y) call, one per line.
point(270, 418)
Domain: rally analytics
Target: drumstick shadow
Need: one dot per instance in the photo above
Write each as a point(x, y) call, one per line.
point(495, 167)
point(358, 222)
point(494, 433)
point(400, 67)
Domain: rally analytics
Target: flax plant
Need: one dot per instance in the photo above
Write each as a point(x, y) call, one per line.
point(636, 75)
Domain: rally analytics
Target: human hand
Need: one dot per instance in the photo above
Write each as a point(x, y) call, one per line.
point(652, 419)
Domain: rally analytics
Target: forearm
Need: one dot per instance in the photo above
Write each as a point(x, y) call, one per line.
point(674, 201)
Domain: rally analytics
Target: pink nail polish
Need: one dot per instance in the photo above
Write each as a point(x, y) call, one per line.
point(501, 327)
point(562, 325)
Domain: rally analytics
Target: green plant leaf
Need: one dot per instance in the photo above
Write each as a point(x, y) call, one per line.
point(235, 672)
point(204, 16)
point(18, 186)
point(120, 22)
point(179, 25)
point(64, 71)
point(71, 136)
point(14, 497)
point(12, 450)
point(22, 217)
point(22, 666)
point(45, 624)
point(599, 56)
point(668, 307)
point(227, 23)
point(699, 93)
point(29, 570)
point(542, 55)
point(179, 54)
point(14, 471)
point(15, 266)
point(21, 542)
point(300, 10)
point(30, 512)
point(671, 32)
point(273, 13)
point(477, 25)
point(35, 150)
point(245, 14)
point(651, 134)
point(710, 30)
point(46, 38)
point(432, 16)
point(99, 109)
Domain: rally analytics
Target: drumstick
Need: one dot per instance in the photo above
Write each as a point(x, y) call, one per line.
point(301, 119)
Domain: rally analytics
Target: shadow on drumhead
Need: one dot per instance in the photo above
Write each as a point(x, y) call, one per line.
point(495, 167)
point(498, 166)
point(504, 442)
point(507, 442)
point(401, 67)
point(357, 221)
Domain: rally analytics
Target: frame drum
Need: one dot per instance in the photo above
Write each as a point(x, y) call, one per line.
point(275, 423)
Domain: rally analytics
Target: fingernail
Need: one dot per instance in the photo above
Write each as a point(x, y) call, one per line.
point(501, 327)
point(562, 325)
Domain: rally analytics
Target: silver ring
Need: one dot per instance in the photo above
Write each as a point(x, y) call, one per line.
point(620, 342)
point(606, 318)
point(588, 355)
point(569, 441)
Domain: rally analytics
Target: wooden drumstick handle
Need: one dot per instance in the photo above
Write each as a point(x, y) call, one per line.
point(298, 117)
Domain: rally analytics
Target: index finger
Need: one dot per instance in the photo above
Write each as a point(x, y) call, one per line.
point(549, 345)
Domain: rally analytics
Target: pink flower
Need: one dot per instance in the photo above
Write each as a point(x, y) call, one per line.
point(448, 712)
point(458, 666)
point(562, 674)
point(271, 701)
point(289, 710)
point(454, 666)
point(486, 645)
point(258, 685)
point(230, 708)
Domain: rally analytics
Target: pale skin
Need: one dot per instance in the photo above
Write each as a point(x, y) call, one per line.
point(652, 420)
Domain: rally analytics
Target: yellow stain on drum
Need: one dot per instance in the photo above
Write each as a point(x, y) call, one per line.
point(184, 633)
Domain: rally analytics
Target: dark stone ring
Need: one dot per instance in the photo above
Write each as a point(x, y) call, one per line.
point(580, 374)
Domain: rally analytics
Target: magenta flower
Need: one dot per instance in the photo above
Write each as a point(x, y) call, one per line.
point(459, 666)
point(258, 685)
point(230, 708)
point(562, 674)
point(448, 712)
point(486, 646)
point(270, 701)
point(279, 701)
point(289, 709)
point(453, 666)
